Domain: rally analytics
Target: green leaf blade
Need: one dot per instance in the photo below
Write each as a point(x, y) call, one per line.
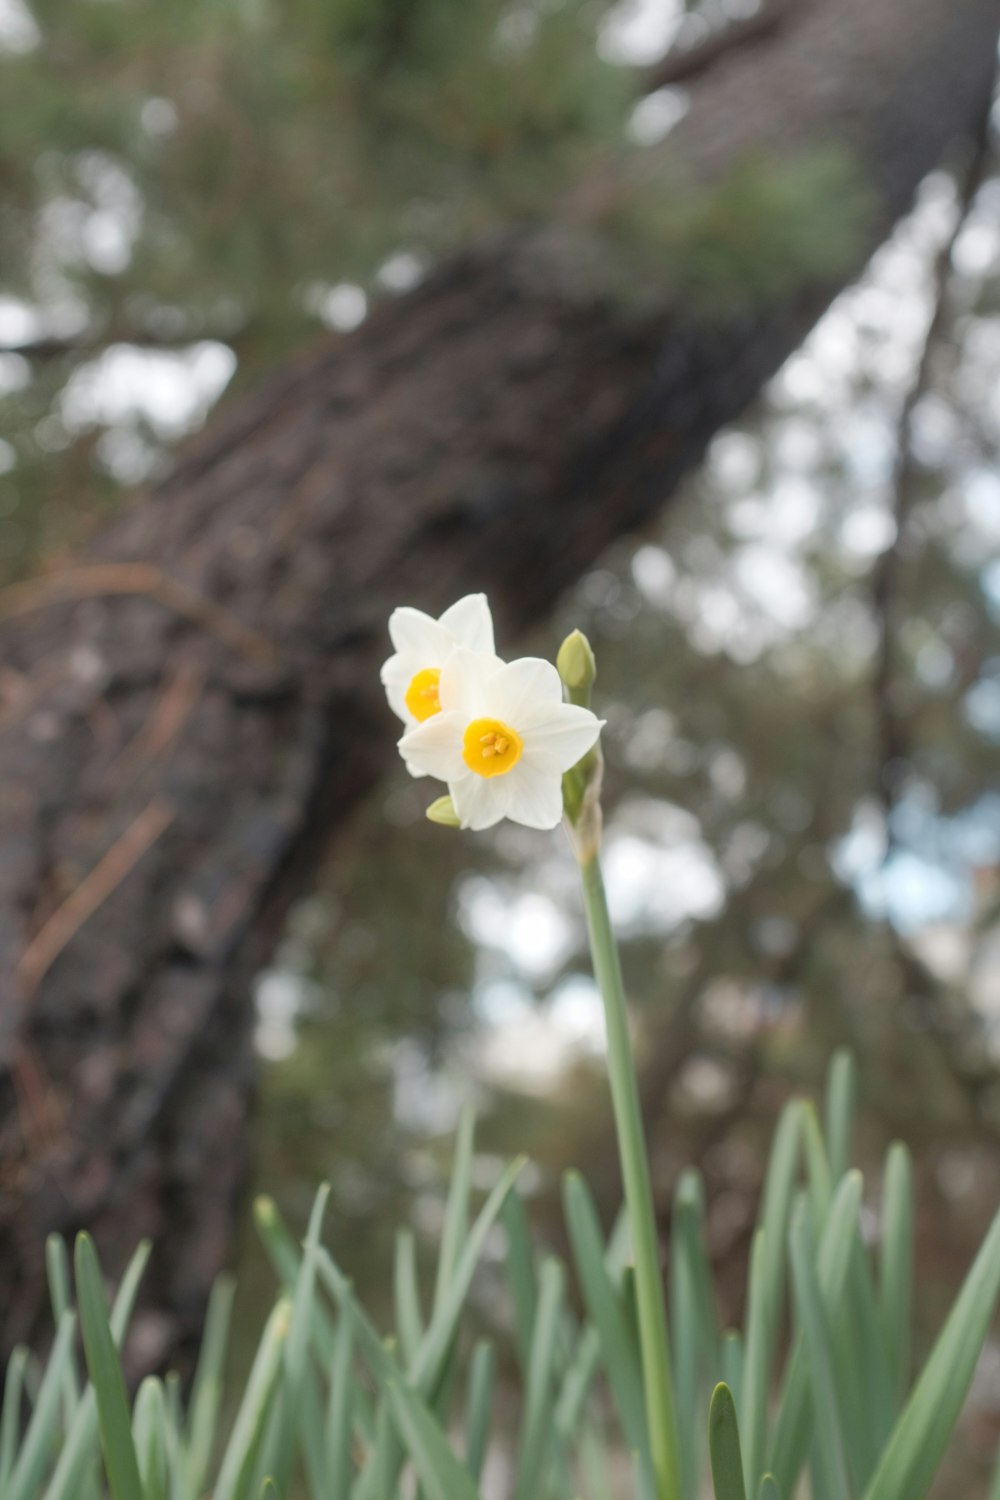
point(896, 1267)
point(724, 1446)
point(921, 1434)
point(113, 1415)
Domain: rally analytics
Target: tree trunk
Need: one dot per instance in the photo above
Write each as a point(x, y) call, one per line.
point(187, 712)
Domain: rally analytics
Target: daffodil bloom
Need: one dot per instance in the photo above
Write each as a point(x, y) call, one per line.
point(502, 740)
point(422, 646)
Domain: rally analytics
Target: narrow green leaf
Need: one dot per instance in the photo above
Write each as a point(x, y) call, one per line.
point(818, 1175)
point(427, 1369)
point(818, 1487)
point(10, 1419)
point(695, 1338)
point(724, 1446)
point(790, 1440)
point(811, 1317)
point(296, 1407)
point(276, 1438)
point(769, 1488)
point(482, 1374)
point(312, 1433)
point(619, 1353)
point(40, 1438)
point(172, 1394)
point(643, 1483)
point(766, 1288)
point(620, 1257)
point(921, 1435)
point(113, 1417)
point(409, 1319)
point(149, 1431)
point(691, 1205)
point(841, 1102)
point(441, 1475)
point(128, 1290)
point(536, 1423)
point(757, 1360)
point(279, 1449)
point(456, 1218)
point(176, 1441)
point(57, 1270)
point(732, 1363)
point(340, 1410)
point(286, 1258)
point(80, 1446)
point(577, 1381)
point(852, 1381)
point(440, 1472)
point(520, 1273)
point(380, 1360)
point(594, 1461)
point(385, 1458)
point(896, 1267)
point(248, 1428)
point(206, 1392)
point(33, 1375)
point(865, 1368)
point(378, 1477)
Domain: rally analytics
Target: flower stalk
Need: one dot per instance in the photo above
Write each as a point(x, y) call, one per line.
point(651, 1306)
point(581, 798)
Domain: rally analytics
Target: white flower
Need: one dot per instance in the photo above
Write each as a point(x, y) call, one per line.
point(502, 740)
point(423, 645)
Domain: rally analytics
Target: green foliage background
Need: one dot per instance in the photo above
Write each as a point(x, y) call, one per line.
point(191, 171)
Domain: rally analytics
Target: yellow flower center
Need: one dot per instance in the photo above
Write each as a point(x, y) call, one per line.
point(422, 698)
point(491, 748)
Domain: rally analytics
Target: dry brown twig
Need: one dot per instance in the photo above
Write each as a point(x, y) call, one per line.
point(109, 872)
point(97, 579)
point(170, 712)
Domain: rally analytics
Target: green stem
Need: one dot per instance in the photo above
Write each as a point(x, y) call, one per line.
point(638, 1191)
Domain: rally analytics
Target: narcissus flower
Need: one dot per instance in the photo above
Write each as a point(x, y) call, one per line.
point(423, 645)
point(502, 740)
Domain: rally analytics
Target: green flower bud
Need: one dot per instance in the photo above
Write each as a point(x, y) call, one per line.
point(577, 666)
point(443, 811)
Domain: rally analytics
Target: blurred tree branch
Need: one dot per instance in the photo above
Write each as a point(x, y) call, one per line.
point(683, 64)
point(90, 343)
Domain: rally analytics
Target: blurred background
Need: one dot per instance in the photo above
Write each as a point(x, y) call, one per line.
point(799, 658)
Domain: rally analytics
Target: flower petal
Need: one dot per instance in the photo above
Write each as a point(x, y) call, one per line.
point(532, 796)
point(410, 630)
point(524, 689)
point(467, 683)
point(434, 748)
point(478, 801)
point(396, 675)
point(564, 734)
point(470, 623)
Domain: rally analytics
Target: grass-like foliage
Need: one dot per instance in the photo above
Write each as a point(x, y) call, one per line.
point(816, 1383)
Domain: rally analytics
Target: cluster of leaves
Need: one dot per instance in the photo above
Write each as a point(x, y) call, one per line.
point(332, 1405)
point(215, 171)
point(768, 228)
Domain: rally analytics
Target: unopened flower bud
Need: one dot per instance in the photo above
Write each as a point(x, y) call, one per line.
point(577, 667)
point(443, 811)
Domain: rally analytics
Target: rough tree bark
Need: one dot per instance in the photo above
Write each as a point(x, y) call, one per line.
point(187, 711)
